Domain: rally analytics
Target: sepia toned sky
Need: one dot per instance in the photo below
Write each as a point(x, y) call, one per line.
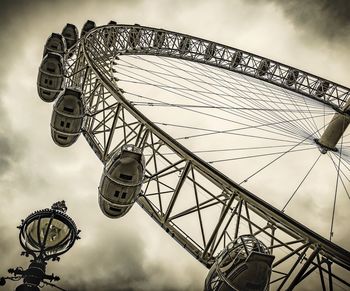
point(132, 253)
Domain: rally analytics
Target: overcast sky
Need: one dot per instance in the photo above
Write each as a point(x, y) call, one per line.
point(132, 253)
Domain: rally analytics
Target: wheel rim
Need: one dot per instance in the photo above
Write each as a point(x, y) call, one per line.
point(232, 197)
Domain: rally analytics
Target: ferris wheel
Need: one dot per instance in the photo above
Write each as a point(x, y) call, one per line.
point(214, 143)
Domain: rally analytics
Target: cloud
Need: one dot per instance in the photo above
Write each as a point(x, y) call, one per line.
point(10, 144)
point(327, 19)
point(10, 141)
point(118, 266)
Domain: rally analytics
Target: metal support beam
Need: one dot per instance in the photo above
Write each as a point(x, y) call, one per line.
point(197, 205)
point(293, 268)
point(321, 273)
point(330, 279)
point(218, 225)
point(110, 137)
point(177, 191)
point(305, 246)
point(234, 212)
point(238, 218)
point(305, 266)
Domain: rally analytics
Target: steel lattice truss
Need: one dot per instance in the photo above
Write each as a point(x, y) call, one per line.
point(198, 206)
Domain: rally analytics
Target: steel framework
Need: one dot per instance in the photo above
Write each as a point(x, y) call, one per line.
point(218, 209)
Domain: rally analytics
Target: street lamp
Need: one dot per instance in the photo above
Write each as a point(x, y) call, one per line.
point(45, 235)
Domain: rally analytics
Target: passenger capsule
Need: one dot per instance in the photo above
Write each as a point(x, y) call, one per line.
point(121, 181)
point(134, 36)
point(159, 38)
point(263, 67)
point(50, 77)
point(209, 51)
point(71, 35)
point(322, 88)
point(87, 27)
point(292, 77)
point(55, 44)
point(109, 34)
point(67, 118)
point(245, 264)
point(236, 59)
point(184, 45)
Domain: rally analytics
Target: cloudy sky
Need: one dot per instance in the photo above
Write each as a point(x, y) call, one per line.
point(132, 253)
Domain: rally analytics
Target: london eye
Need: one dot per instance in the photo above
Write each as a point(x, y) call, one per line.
point(217, 145)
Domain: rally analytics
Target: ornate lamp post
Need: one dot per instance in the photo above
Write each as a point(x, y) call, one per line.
point(45, 235)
